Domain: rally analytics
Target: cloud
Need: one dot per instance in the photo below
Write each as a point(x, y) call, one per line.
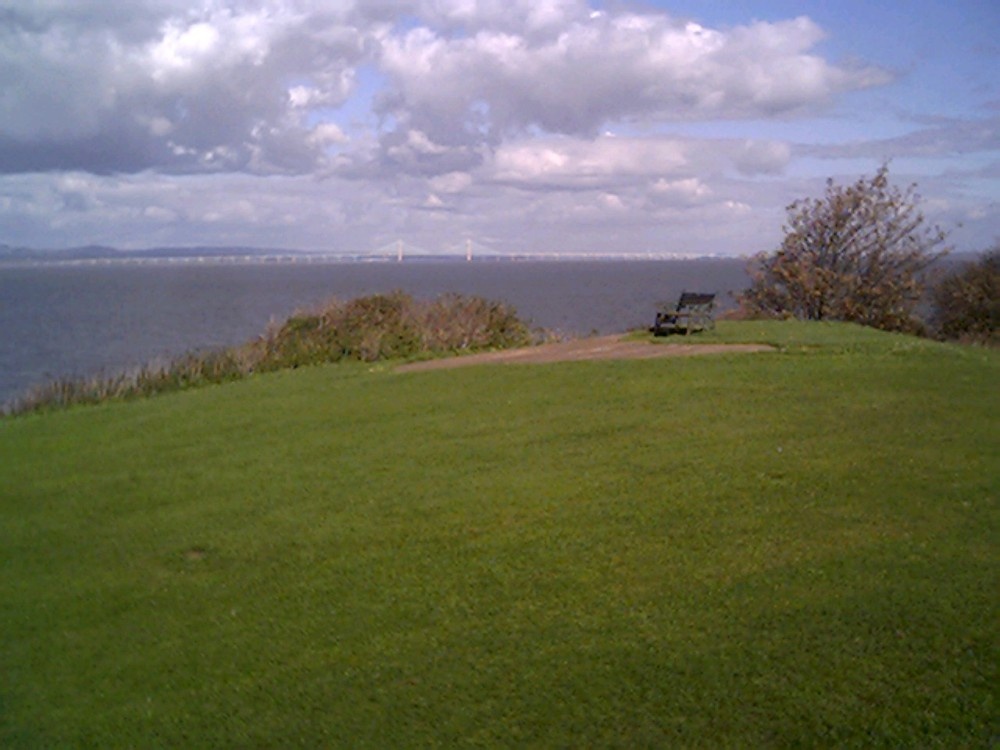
point(453, 182)
point(226, 87)
point(607, 160)
point(608, 68)
point(947, 138)
point(520, 16)
point(226, 209)
point(688, 191)
point(755, 157)
point(413, 152)
point(219, 89)
point(542, 124)
point(582, 162)
point(327, 133)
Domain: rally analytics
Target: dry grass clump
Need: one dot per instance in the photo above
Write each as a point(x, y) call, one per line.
point(377, 327)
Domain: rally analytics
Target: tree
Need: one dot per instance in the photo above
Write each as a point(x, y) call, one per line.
point(967, 301)
point(858, 254)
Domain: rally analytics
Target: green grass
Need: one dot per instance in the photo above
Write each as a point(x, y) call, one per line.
point(795, 548)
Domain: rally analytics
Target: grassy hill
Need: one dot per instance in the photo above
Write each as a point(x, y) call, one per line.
point(778, 549)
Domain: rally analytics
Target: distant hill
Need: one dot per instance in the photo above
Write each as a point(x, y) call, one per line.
point(10, 253)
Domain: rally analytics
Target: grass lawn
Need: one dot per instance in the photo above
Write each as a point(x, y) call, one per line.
point(795, 548)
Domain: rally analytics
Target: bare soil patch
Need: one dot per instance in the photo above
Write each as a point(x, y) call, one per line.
point(598, 347)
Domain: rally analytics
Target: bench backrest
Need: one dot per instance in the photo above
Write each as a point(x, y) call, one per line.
point(694, 299)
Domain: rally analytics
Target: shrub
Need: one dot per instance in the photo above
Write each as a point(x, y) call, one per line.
point(392, 326)
point(967, 302)
point(857, 254)
point(454, 322)
point(380, 327)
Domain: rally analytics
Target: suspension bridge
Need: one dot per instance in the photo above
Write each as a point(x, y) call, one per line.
point(401, 249)
point(397, 250)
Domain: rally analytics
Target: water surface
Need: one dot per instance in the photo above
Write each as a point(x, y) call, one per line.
point(80, 320)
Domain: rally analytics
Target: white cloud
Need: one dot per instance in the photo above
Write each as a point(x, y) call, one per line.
point(433, 202)
point(572, 160)
point(240, 86)
point(136, 122)
point(637, 67)
point(686, 191)
point(520, 15)
point(182, 49)
point(737, 208)
point(581, 161)
point(421, 144)
point(612, 202)
point(452, 182)
point(303, 96)
point(158, 214)
point(328, 133)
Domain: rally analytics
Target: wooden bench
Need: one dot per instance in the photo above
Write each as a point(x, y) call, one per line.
point(694, 312)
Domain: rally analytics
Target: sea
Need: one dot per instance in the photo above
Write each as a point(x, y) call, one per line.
point(59, 321)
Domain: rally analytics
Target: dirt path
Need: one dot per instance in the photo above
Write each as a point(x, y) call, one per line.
point(600, 347)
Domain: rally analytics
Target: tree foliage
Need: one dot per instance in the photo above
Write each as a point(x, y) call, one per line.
point(858, 254)
point(967, 302)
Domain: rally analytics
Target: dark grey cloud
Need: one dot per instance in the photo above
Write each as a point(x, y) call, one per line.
point(159, 86)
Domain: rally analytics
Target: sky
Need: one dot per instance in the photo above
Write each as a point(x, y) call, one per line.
point(524, 126)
